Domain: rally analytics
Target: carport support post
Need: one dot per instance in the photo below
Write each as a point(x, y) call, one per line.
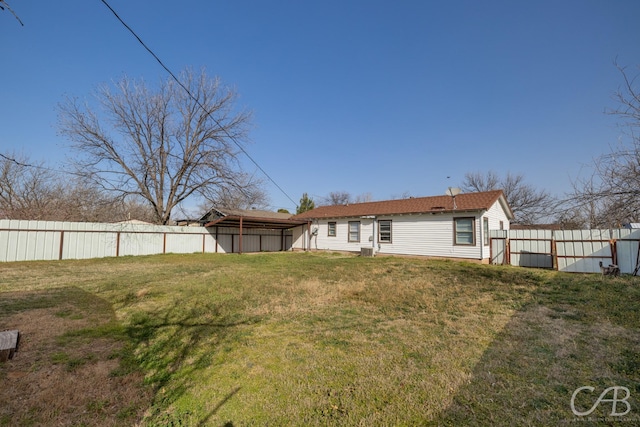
point(240, 238)
point(282, 242)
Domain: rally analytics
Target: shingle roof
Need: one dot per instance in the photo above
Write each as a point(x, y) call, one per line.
point(415, 205)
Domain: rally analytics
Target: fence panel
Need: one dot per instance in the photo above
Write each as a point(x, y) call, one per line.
point(580, 251)
point(628, 250)
point(577, 251)
point(498, 241)
point(531, 248)
point(52, 240)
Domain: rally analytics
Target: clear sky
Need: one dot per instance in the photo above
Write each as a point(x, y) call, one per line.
point(381, 97)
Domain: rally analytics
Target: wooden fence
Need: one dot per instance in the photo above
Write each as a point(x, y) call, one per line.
point(52, 240)
point(578, 251)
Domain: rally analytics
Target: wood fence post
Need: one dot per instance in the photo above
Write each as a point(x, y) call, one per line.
point(61, 245)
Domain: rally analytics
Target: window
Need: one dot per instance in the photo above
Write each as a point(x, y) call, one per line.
point(384, 231)
point(501, 225)
point(354, 231)
point(485, 230)
point(332, 229)
point(464, 231)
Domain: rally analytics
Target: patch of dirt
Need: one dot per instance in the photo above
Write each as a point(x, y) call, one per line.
point(66, 382)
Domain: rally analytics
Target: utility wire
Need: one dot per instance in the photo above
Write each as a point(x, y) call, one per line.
point(44, 168)
point(11, 159)
point(173, 76)
point(4, 5)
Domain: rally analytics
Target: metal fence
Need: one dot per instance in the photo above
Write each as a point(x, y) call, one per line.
point(578, 251)
point(52, 240)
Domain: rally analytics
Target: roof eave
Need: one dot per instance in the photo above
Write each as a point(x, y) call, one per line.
point(431, 212)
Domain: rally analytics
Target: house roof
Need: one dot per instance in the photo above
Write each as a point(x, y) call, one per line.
point(465, 202)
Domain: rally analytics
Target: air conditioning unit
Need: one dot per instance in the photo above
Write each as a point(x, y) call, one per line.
point(366, 251)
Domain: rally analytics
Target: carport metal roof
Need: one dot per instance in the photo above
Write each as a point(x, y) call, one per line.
point(241, 221)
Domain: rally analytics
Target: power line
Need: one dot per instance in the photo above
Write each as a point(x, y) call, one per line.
point(4, 5)
point(173, 76)
point(44, 168)
point(18, 163)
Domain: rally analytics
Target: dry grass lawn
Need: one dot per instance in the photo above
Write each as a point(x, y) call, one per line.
point(312, 339)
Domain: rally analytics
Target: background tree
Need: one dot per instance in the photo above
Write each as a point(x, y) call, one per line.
point(162, 145)
point(27, 190)
point(80, 201)
point(529, 205)
point(306, 204)
point(344, 198)
point(610, 194)
point(363, 198)
point(337, 198)
point(31, 191)
point(283, 210)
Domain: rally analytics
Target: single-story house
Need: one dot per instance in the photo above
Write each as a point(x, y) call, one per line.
point(437, 226)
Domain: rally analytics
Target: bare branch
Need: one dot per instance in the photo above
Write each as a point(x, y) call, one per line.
point(609, 195)
point(528, 204)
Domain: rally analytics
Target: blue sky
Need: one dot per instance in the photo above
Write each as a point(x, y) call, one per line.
point(374, 97)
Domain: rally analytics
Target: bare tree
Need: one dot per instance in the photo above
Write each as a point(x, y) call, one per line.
point(611, 192)
point(404, 195)
point(363, 198)
point(528, 204)
point(85, 202)
point(337, 198)
point(27, 191)
point(344, 198)
point(162, 145)
point(32, 191)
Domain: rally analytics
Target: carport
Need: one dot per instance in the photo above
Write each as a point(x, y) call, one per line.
point(255, 226)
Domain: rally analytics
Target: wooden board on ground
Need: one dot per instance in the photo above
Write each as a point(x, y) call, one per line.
point(8, 344)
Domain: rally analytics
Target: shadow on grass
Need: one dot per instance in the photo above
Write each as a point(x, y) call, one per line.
point(61, 374)
point(172, 345)
point(169, 346)
point(575, 331)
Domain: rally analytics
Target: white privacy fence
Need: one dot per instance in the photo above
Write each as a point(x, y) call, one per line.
point(578, 251)
point(53, 240)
